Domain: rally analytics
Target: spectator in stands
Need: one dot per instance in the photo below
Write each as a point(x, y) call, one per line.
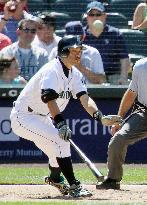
point(140, 17)
point(4, 41)
point(110, 43)
point(46, 37)
point(91, 63)
point(9, 72)
point(2, 5)
point(31, 58)
point(13, 13)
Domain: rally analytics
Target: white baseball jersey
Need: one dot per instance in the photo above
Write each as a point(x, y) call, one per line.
point(51, 76)
point(38, 128)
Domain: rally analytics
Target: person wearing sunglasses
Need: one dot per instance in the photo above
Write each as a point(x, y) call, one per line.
point(46, 37)
point(109, 42)
point(30, 57)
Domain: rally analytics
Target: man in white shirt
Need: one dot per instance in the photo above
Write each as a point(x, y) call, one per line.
point(90, 64)
point(46, 37)
point(30, 57)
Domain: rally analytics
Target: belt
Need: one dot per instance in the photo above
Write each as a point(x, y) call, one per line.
point(139, 106)
point(31, 110)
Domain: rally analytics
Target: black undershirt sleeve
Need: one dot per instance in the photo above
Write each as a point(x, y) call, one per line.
point(78, 95)
point(48, 95)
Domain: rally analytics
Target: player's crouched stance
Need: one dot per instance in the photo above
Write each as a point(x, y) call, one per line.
point(36, 115)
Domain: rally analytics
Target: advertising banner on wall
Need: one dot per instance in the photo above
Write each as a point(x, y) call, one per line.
point(88, 134)
point(6, 134)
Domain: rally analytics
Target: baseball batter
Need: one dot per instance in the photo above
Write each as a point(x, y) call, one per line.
point(37, 113)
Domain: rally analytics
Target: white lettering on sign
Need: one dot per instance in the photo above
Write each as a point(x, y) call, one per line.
point(87, 127)
point(22, 152)
point(6, 133)
point(7, 153)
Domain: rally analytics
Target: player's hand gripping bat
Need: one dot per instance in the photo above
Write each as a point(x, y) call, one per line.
point(99, 176)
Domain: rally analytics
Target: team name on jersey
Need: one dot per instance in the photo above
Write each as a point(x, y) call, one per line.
point(65, 94)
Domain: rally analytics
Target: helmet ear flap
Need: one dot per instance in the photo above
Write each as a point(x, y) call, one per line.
point(64, 53)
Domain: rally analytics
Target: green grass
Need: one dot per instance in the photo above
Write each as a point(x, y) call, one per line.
point(28, 175)
point(133, 174)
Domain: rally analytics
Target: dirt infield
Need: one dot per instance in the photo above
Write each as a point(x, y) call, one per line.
point(47, 193)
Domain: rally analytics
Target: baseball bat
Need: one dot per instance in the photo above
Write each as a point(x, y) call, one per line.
point(99, 176)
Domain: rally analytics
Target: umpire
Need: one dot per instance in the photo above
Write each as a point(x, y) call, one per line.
point(134, 128)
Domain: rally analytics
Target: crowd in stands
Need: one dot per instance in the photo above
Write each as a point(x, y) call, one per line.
point(31, 41)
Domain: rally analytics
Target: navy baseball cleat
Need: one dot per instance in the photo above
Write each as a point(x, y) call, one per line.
point(61, 185)
point(76, 190)
point(108, 184)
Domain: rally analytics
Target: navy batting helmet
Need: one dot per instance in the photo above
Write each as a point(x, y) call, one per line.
point(67, 42)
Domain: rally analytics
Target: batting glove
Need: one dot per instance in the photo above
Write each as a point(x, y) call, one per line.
point(64, 131)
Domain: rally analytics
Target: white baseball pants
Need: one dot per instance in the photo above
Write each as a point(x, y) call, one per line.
point(41, 131)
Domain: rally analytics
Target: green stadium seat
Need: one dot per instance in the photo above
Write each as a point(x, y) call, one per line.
point(125, 7)
point(39, 5)
point(136, 42)
point(117, 20)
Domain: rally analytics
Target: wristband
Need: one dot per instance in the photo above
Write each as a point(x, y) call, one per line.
point(4, 19)
point(58, 118)
point(97, 115)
